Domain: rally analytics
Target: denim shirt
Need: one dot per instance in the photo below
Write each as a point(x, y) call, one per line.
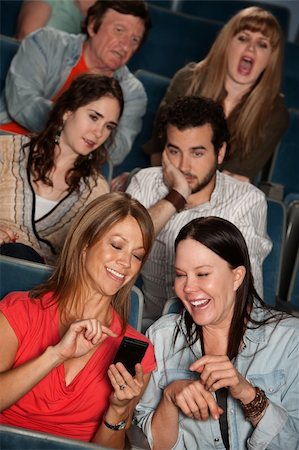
point(39, 70)
point(269, 359)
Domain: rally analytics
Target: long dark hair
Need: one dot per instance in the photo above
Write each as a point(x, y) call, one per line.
point(83, 90)
point(225, 239)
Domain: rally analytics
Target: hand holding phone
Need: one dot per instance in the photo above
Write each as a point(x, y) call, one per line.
point(130, 352)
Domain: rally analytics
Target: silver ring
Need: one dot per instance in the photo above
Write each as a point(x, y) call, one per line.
point(122, 386)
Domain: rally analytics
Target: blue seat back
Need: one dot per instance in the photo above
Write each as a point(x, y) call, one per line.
point(285, 164)
point(290, 79)
point(293, 295)
point(162, 3)
point(14, 438)
point(172, 306)
point(276, 227)
point(174, 40)
point(291, 60)
point(290, 90)
point(9, 11)
point(223, 11)
point(155, 87)
point(20, 275)
point(8, 49)
point(291, 244)
point(137, 301)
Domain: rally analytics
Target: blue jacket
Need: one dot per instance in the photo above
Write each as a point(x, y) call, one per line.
point(269, 359)
point(39, 70)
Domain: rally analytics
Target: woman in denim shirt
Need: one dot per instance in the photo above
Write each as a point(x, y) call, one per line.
point(227, 367)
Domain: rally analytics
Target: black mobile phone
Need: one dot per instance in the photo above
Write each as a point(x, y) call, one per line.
point(130, 352)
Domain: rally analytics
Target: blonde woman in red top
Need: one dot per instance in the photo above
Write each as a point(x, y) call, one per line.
point(58, 341)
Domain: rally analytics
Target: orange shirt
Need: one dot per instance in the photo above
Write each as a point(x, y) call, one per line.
point(80, 67)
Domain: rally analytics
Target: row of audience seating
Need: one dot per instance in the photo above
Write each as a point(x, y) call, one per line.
point(20, 275)
point(14, 438)
point(184, 35)
point(284, 169)
point(214, 10)
point(197, 31)
point(191, 43)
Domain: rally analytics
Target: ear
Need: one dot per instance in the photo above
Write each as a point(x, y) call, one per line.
point(239, 274)
point(90, 28)
point(221, 153)
point(66, 115)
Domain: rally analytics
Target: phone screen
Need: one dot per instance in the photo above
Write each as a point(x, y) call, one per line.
point(130, 352)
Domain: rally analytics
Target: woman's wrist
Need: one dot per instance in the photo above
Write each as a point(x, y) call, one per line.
point(255, 409)
point(115, 413)
point(51, 353)
point(115, 426)
point(168, 396)
point(247, 395)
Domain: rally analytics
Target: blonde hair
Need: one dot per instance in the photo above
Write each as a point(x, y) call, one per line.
point(208, 77)
point(68, 280)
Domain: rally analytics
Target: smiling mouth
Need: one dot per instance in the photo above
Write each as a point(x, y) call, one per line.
point(116, 274)
point(89, 142)
point(200, 303)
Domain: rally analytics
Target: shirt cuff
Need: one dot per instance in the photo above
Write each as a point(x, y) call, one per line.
point(269, 426)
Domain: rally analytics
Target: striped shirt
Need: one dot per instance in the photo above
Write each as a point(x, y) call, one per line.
point(241, 203)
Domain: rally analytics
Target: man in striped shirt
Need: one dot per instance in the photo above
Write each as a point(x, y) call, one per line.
point(189, 185)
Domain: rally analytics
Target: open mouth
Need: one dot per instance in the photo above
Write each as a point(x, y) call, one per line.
point(200, 303)
point(117, 275)
point(245, 65)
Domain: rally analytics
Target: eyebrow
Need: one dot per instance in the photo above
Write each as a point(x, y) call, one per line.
point(249, 32)
point(126, 240)
point(101, 115)
point(198, 267)
point(196, 147)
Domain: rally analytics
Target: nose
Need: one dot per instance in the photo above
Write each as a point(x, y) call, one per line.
point(125, 41)
point(251, 46)
point(98, 130)
point(185, 165)
point(125, 260)
point(189, 285)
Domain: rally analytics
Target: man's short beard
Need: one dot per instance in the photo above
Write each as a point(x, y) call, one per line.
point(207, 179)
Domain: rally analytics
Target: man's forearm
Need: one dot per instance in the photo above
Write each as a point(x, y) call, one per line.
point(160, 213)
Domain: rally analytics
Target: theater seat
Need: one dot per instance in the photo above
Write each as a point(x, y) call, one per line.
point(20, 275)
point(155, 87)
point(223, 11)
point(174, 40)
point(14, 438)
point(8, 48)
point(276, 228)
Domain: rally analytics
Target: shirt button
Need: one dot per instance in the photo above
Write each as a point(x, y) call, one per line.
point(231, 411)
point(216, 440)
point(270, 389)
